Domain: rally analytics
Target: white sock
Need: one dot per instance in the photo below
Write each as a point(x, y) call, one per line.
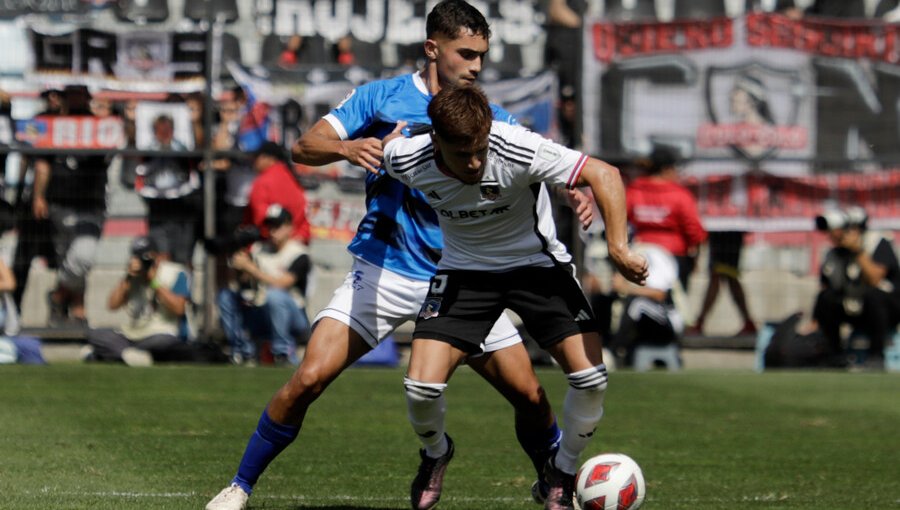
point(582, 411)
point(426, 409)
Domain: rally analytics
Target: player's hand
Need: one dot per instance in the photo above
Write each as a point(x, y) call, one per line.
point(583, 205)
point(366, 152)
point(396, 133)
point(631, 265)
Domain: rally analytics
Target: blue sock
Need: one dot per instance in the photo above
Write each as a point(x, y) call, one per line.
point(539, 445)
point(264, 445)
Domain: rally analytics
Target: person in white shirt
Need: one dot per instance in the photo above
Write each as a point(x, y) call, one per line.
point(649, 316)
point(483, 177)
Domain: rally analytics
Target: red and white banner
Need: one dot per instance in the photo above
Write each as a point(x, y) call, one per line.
point(789, 115)
point(71, 132)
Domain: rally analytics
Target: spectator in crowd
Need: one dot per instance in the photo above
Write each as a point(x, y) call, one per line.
point(269, 301)
point(860, 279)
point(35, 239)
point(276, 183)
point(290, 55)
point(649, 316)
point(724, 264)
point(128, 174)
point(155, 293)
point(14, 348)
point(235, 175)
point(564, 20)
point(7, 211)
point(70, 191)
point(194, 101)
point(254, 126)
point(663, 212)
point(343, 51)
point(54, 102)
point(169, 185)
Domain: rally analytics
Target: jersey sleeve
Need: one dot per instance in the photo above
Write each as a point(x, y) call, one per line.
point(403, 154)
point(551, 162)
point(357, 111)
point(503, 116)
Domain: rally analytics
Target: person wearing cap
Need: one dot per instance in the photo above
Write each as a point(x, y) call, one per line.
point(665, 213)
point(276, 183)
point(269, 300)
point(860, 283)
point(155, 294)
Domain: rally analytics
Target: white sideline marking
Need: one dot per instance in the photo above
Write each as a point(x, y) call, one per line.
point(257, 497)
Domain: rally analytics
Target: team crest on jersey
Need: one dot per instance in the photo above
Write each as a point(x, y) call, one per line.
point(430, 308)
point(490, 191)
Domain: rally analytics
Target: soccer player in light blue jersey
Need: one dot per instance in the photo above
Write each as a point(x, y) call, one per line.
point(396, 250)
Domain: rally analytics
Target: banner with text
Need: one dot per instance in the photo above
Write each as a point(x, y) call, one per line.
point(761, 92)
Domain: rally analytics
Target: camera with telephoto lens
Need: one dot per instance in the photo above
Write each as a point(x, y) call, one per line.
point(851, 217)
point(241, 238)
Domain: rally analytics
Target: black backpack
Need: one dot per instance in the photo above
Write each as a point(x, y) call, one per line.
point(789, 349)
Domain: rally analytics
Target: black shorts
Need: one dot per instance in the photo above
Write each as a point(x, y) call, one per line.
point(462, 306)
point(725, 252)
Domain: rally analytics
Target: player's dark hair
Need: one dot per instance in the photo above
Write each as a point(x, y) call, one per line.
point(461, 114)
point(449, 16)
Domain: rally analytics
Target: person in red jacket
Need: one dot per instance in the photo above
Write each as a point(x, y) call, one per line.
point(664, 213)
point(276, 184)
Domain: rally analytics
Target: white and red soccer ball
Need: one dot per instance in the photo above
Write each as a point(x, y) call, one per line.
point(610, 481)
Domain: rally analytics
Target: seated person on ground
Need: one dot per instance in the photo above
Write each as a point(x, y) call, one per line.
point(268, 299)
point(649, 316)
point(155, 294)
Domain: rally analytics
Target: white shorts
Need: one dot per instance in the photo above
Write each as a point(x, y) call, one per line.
point(374, 301)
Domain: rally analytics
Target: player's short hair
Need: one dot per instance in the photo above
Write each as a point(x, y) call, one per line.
point(461, 114)
point(449, 16)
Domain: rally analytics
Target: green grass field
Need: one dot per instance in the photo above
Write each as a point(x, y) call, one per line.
point(109, 437)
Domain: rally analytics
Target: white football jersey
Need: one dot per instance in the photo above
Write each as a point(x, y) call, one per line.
point(504, 221)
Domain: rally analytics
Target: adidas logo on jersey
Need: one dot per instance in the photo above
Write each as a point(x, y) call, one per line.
point(583, 315)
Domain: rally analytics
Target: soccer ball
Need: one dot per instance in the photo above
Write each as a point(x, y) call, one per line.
point(610, 481)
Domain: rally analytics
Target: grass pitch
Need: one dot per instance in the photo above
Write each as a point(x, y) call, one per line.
point(109, 437)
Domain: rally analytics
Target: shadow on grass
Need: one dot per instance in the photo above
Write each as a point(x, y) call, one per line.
point(343, 507)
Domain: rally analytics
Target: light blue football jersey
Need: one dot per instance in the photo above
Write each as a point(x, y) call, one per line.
point(400, 231)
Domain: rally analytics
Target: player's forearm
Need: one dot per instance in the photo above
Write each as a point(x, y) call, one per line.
point(314, 149)
point(609, 193)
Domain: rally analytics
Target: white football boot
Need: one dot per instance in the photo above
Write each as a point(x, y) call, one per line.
point(231, 498)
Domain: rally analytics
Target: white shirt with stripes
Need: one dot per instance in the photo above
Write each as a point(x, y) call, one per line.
point(504, 221)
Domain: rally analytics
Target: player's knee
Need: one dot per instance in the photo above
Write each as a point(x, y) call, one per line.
point(420, 393)
point(310, 380)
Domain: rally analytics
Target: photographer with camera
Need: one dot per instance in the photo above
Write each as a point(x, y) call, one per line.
point(860, 279)
point(268, 298)
point(155, 293)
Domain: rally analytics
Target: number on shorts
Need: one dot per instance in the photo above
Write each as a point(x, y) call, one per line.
point(438, 284)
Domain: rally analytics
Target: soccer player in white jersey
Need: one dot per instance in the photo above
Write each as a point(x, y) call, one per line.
point(395, 253)
point(500, 251)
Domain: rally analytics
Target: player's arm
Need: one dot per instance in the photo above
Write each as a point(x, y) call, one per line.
point(609, 194)
point(322, 145)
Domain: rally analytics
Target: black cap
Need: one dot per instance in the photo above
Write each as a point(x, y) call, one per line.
point(663, 157)
point(270, 149)
point(143, 247)
point(276, 216)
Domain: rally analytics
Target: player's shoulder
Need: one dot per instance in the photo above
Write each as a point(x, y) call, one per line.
point(403, 154)
point(514, 139)
point(382, 88)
